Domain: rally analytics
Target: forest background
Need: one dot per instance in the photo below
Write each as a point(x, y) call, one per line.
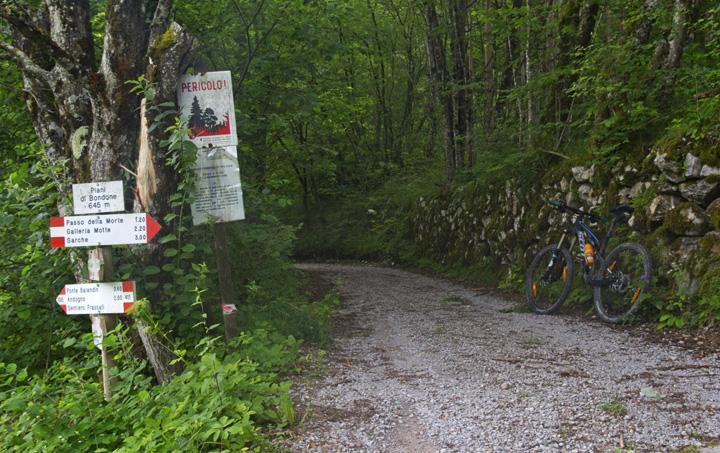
point(349, 112)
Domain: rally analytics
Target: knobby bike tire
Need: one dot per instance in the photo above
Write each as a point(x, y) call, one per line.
point(616, 307)
point(540, 259)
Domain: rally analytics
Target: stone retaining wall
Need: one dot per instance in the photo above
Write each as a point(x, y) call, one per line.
point(677, 216)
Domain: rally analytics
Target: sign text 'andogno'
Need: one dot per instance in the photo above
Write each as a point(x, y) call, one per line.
point(108, 229)
point(97, 298)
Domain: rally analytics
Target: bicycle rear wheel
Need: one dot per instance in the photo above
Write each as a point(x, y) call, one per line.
point(549, 279)
point(626, 273)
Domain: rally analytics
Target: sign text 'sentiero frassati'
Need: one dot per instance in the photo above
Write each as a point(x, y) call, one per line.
point(206, 101)
point(108, 229)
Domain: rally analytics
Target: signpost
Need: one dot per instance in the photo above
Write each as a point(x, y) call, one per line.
point(206, 101)
point(101, 300)
point(107, 229)
point(97, 298)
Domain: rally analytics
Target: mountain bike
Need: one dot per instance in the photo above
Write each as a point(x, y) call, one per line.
point(618, 279)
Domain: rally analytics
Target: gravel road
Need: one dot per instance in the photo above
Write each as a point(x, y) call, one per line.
point(420, 364)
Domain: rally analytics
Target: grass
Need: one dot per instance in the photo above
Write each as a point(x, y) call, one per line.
point(614, 407)
point(688, 449)
point(533, 341)
point(439, 330)
point(519, 308)
point(455, 300)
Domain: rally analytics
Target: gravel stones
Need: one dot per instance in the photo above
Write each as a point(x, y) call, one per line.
point(412, 368)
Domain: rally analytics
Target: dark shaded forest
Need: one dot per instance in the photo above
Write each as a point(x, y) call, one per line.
point(425, 133)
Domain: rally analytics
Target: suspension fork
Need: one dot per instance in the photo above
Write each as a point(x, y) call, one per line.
point(562, 239)
point(555, 256)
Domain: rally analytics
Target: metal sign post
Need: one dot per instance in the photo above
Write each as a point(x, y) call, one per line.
point(206, 102)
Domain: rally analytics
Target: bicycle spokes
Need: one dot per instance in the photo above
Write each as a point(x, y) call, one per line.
point(622, 282)
point(547, 280)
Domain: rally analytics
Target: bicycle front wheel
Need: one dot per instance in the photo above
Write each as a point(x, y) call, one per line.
point(625, 277)
point(549, 279)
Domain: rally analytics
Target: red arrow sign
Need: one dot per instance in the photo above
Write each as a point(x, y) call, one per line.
point(108, 229)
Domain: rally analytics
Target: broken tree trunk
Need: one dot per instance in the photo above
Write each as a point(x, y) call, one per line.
point(83, 112)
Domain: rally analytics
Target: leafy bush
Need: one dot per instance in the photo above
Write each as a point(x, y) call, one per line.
point(30, 275)
point(218, 403)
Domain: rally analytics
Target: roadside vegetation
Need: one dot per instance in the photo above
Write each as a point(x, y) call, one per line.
point(352, 116)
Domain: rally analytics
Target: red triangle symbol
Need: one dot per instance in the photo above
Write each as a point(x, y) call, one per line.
point(152, 227)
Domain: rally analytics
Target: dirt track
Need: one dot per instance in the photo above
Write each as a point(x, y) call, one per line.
point(420, 364)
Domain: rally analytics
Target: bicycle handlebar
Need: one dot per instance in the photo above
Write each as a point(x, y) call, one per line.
point(562, 207)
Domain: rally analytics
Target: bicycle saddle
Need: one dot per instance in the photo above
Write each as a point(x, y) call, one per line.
point(622, 209)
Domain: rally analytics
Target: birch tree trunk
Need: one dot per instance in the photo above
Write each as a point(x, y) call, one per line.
point(74, 100)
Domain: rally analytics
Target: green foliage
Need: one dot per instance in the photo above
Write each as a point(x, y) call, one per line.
point(709, 297)
point(614, 407)
point(31, 324)
point(217, 403)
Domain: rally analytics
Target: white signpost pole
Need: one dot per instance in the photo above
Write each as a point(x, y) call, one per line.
point(100, 268)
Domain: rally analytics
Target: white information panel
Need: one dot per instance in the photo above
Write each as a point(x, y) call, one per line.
point(218, 194)
point(97, 298)
point(98, 197)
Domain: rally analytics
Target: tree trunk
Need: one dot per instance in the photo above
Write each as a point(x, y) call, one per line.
point(71, 100)
point(441, 84)
point(676, 45)
point(488, 71)
point(529, 73)
point(462, 77)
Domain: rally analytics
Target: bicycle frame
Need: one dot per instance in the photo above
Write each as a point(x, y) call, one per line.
point(582, 234)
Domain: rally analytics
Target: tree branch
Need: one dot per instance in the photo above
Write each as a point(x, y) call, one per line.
point(161, 21)
point(23, 22)
point(24, 60)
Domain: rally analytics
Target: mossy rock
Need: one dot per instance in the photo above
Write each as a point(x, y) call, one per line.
point(713, 212)
point(710, 282)
point(687, 219)
point(710, 245)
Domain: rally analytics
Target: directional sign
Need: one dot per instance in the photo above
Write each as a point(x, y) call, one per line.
point(109, 229)
point(97, 197)
point(97, 298)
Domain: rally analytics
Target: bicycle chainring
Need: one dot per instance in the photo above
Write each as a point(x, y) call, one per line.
point(619, 282)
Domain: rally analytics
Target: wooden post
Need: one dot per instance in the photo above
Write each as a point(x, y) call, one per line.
point(100, 268)
point(227, 286)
